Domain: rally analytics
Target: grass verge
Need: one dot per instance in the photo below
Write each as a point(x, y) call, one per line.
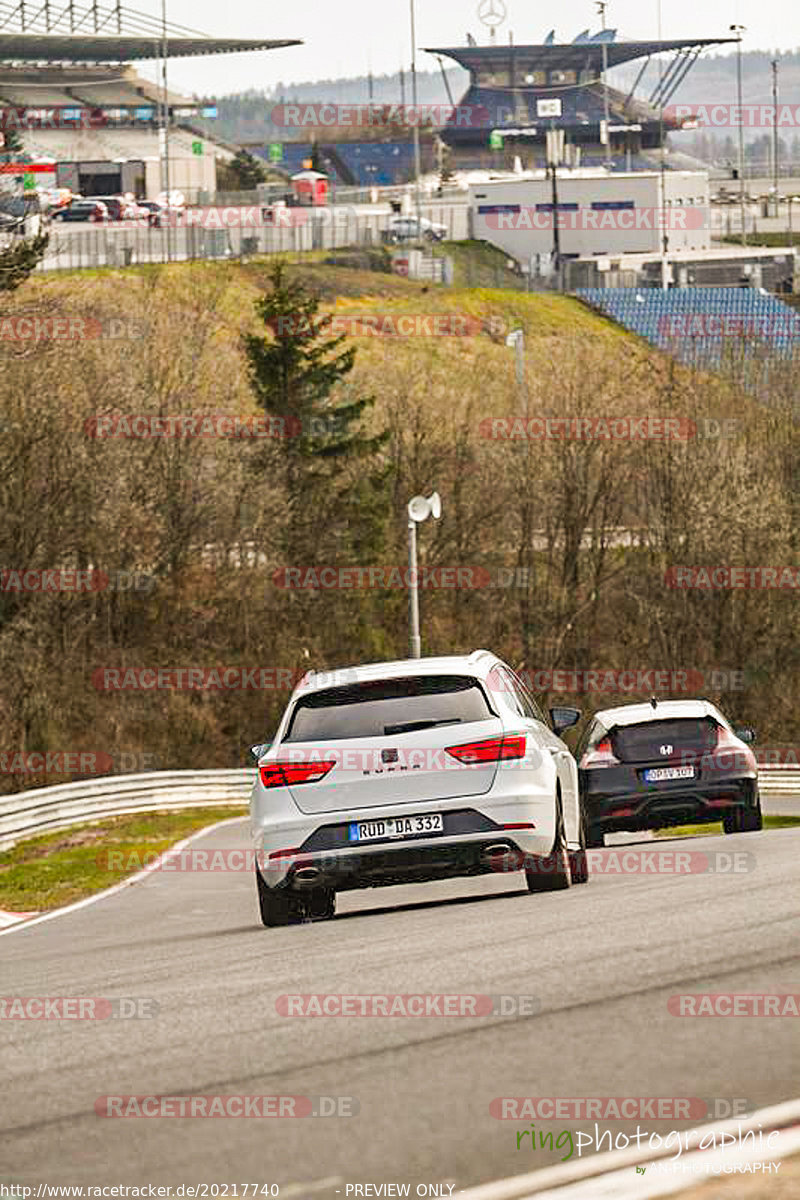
point(58, 868)
point(771, 821)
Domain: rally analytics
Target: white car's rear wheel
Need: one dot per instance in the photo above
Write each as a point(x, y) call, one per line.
point(553, 873)
point(278, 906)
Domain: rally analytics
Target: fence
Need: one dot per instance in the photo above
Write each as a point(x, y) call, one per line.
point(42, 810)
point(233, 232)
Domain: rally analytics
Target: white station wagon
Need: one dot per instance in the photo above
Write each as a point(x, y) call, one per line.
point(422, 769)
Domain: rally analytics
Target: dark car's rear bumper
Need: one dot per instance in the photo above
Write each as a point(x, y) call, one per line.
point(616, 798)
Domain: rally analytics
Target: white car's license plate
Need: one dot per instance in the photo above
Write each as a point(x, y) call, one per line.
point(659, 774)
point(395, 827)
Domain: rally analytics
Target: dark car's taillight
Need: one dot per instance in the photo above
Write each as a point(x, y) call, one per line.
point(599, 755)
point(287, 774)
point(731, 753)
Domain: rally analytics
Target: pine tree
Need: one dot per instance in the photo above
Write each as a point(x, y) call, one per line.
point(18, 260)
point(12, 142)
point(247, 171)
point(336, 484)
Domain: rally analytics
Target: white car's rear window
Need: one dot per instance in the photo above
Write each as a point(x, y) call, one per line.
point(386, 707)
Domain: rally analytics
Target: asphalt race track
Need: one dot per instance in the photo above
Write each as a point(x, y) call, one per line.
point(601, 959)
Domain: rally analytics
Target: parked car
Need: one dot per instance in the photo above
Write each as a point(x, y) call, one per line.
point(408, 229)
point(120, 208)
point(670, 762)
point(408, 771)
point(158, 215)
point(82, 210)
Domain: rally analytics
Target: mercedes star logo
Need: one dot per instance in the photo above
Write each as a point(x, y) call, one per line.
point(491, 12)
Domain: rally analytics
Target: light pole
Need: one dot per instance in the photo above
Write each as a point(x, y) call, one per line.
point(419, 509)
point(415, 117)
point(776, 209)
point(665, 275)
point(164, 132)
point(601, 8)
point(739, 30)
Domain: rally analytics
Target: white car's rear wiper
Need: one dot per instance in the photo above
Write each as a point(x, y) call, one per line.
point(408, 726)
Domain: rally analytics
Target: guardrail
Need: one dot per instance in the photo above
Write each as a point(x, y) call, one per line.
point(779, 779)
point(42, 810)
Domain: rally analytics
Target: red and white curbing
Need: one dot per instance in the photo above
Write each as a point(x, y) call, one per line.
point(7, 919)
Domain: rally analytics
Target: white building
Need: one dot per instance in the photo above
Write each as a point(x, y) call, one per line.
point(597, 214)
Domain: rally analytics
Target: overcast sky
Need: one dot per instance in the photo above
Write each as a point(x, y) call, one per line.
point(349, 37)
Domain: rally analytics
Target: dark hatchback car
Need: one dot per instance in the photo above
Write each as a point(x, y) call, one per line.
point(675, 762)
point(82, 210)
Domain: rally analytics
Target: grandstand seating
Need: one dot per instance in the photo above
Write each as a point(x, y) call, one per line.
point(30, 96)
point(369, 163)
point(704, 326)
point(506, 106)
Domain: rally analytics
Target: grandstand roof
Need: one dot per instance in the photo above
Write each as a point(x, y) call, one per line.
point(93, 48)
point(95, 34)
point(568, 55)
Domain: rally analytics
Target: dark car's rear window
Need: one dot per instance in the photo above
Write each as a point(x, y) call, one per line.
point(386, 707)
point(657, 740)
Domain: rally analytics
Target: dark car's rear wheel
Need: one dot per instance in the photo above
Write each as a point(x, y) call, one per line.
point(578, 862)
point(744, 820)
point(552, 874)
point(595, 838)
point(277, 905)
